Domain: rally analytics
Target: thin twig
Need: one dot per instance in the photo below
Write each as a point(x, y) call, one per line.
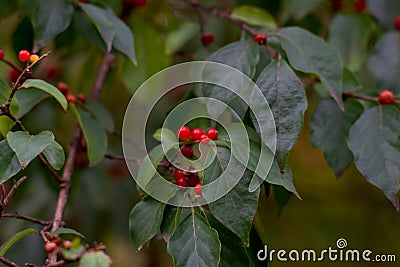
point(101, 75)
point(6, 200)
point(26, 218)
point(8, 262)
point(136, 160)
point(12, 65)
point(358, 96)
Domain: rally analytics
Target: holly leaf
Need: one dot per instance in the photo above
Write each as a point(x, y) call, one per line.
point(309, 53)
point(145, 221)
point(27, 147)
point(254, 16)
point(195, 243)
point(95, 259)
point(374, 141)
point(54, 154)
point(330, 129)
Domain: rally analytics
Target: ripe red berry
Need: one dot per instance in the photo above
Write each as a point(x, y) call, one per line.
point(136, 3)
point(204, 139)
point(187, 151)
point(81, 97)
point(196, 133)
point(50, 246)
point(13, 75)
point(56, 239)
point(1, 54)
point(397, 23)
point(197, 189)
point(24, 55)
point(178, 174)
point(336, 5)
point(212, 134)
point(184, 133)
point(83, 1)
point(67, 244)
point(386, 97)
point(193, 179)
point(260, 38)
point(207, 39)
point(71, 98)
point(360, 5)
point(181, 182)
point(63, 87)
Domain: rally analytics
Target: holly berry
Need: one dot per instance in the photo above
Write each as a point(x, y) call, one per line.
point(33, 58)
point(204, 139)
point(81, 97)
point(336, 5)
point(360, 5)
point(207, 39)
point(212, 134)
point(260, 38)
point(50, 247)
point(178, 174)
point(197, 189)
point(182, 182)
point(193, 179)
point(13, 75)
point(187, 151)
point(196, 133)
point(136, 3)
point(67, 244)
point(1, 54)
point(184, 133)
point(24, 55)
point(397, 23)
point(71, 98)
point(386, 97)
point(62, 87)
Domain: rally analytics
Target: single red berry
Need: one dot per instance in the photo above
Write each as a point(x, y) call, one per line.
point(204, 139)
point(336, 5)
point(184, 133)
point(1, 54)
point(67, 244)
point(397, 23)
point(182, 182)
point(386, 97)
point(207, 39)
point(13, 75)
point(81, 97)
point(178, 174)
point(56, 239)
point(260, 38)
point(83, 1)
point(360, 5)
point(187, 151)
point(212, 134)
point(50, 246)
point(136, 3)
point(193, 179)
point(50, 70)
point(197, 189)
point(71, 98)
point(24, 55)
point(196, 133)
point(62, 87)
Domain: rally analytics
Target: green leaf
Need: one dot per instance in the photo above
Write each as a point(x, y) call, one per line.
point(178, 38)
point(27, 147)
point(298, 9)
point(95, 135)
point(89, 31)
point(67, 231)
point(6, 124)
point(73, 253)
point(287, 99)
point(311, 54)
point(254, 16)
point(384, 61)
point(282, 197)
point(7, 245)
point(95, 259)
point(50, 19)
point(284, 179)
point(26, 100)
point(170, 221)
point(169, 134)
point(101, 114)
point(350, 82)
point(9, 164)
point(103, 25)
point(385, 11)
point(330, 129)
point(349, 34)
point(145, 221)
point(48, 88)
point(54, 154)
point(375, 143)
point(195, 243)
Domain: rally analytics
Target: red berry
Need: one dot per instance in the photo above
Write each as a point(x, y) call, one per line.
point(24, 55)
point(397, 23)
point(81, 97)
point(71, 98)
point(67, 244)
point(204, 139)
point(13, 75)
point(178, 174)
point(360, 5)
point(181, 182)
point(56, 239)
point(184, 133)
point(187, 151)
point(260, 38)
point(207, 39)
point(196, 133)
point(136, 3)
point(1, 54)
point(197, 189)
point(50, 246)
point(336, 5)
point(83, 1)
point(193, 179)
point(62, 87)
point(386, 97)
point(212, 134)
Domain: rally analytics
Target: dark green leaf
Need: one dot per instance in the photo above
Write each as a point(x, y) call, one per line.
point(101, 114)
point(89, 31)
point(145, 221)
point(178, 38)
point(170, 221)
point(9, 164)
point(95, 135)
point(254, 16)
point(95, 259)
point(26, 100)
point(350, 82)
point(311, 54)
point(375, 143)
point(7, 245)
point(282, 197)
point(54, 154)
point(195, 243)
point(23, 35)
point(330, 129)
point(27, 147)
point(48, 88)
point(284, 179)
point(67, 231)
point(298, 9)
point(50, 19)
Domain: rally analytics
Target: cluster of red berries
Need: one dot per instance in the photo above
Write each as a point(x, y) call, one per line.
point(25, 55)
point(386, 97)
point(54, 242)
point(69, 95)
point(185, 179)
point(197, 134)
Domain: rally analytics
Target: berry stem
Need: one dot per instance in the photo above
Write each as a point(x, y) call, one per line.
point(12, 65)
